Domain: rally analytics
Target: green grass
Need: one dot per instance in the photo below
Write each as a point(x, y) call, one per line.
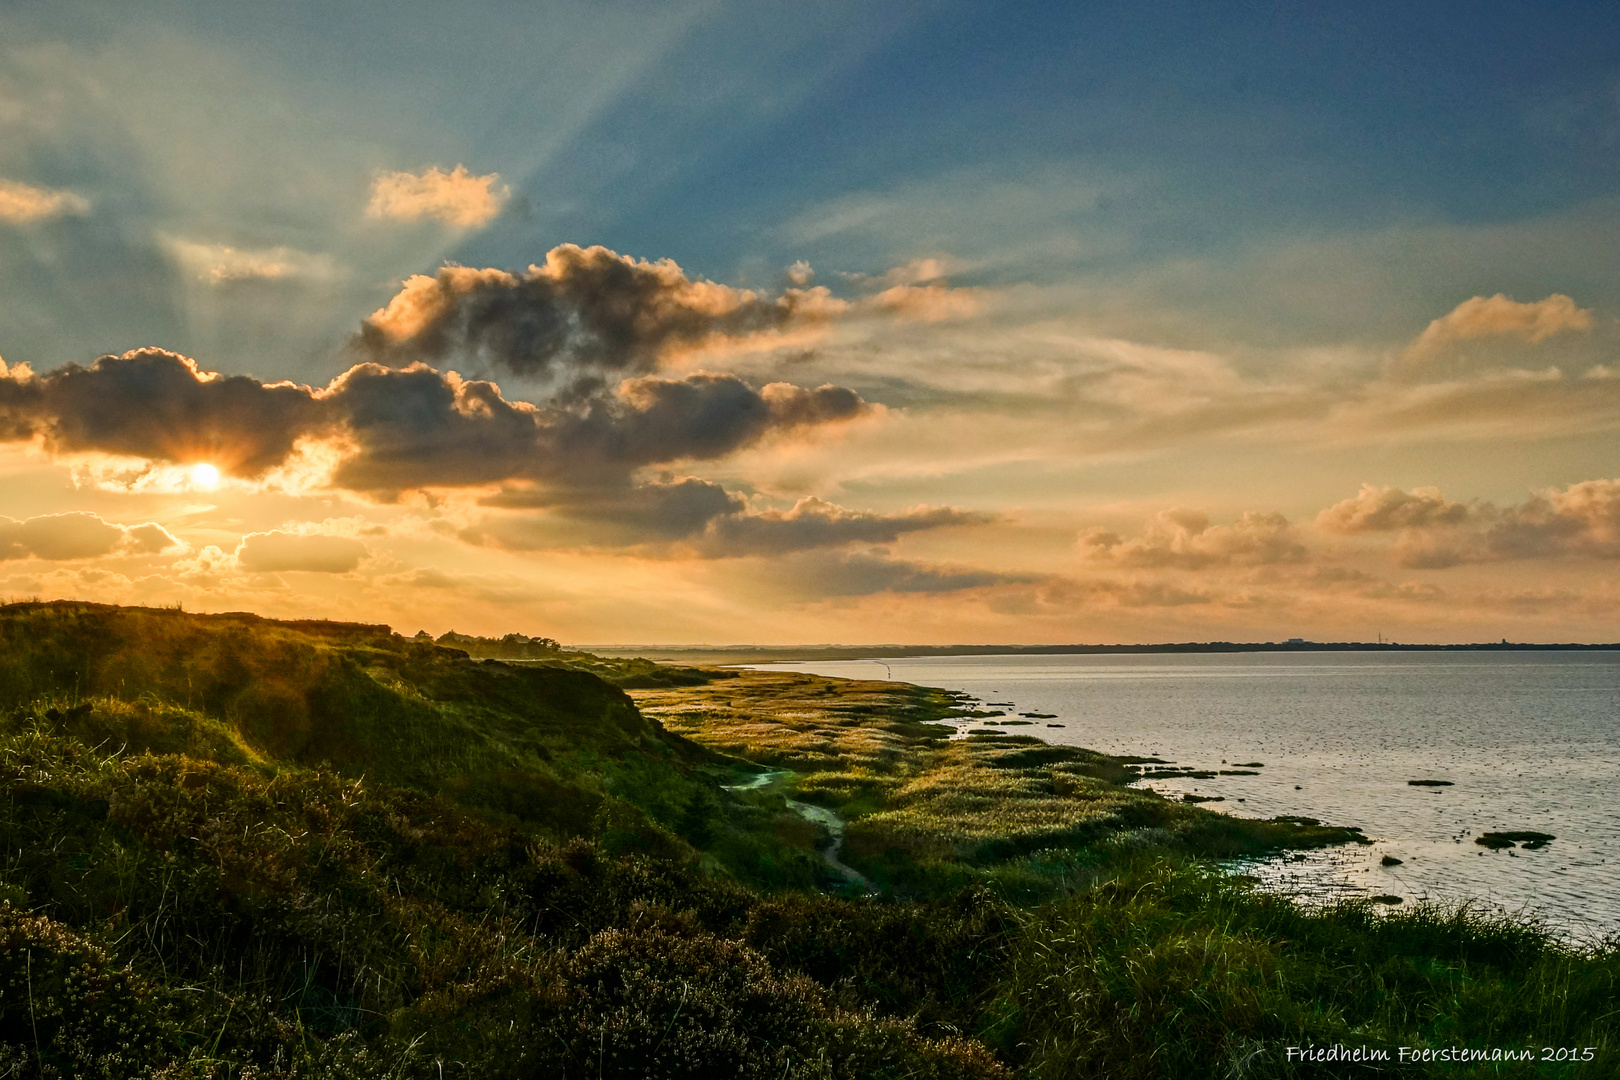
point(548, 747)
point(1171, 970)
point(928, 815)
point(222, 854)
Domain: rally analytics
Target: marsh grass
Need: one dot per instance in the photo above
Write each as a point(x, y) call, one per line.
point(927, 814)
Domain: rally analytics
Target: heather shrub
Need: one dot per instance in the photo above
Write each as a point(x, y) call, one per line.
point(65, 1010)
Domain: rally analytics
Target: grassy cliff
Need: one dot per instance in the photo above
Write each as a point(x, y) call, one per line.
point(547, 746)
point(233, 847)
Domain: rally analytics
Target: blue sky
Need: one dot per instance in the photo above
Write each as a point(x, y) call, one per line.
point(1176, 236)
point(1117, 137)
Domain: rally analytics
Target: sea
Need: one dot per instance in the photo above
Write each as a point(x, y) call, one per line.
point(1527, 741)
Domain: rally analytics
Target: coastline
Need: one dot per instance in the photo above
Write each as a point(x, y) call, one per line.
point(1339, 738)
point(741, 655)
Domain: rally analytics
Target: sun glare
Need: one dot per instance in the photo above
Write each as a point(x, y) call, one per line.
point(204, 476)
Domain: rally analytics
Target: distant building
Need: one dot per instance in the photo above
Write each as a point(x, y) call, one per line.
point(1296, 641)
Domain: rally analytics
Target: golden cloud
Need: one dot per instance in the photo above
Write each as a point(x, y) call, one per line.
point(80, 535)
point(934, 302)
point(1580, 520)
point(1381, 509)
point(1185, 539)
point(1500, 316)
point(22, 203)
point(456, 197)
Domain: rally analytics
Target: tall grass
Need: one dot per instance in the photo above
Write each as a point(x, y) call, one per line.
point(1172, 970)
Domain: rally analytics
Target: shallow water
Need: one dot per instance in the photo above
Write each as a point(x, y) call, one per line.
point(1530, 741)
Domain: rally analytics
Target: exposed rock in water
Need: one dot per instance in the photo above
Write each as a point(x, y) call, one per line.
point(1533, 841)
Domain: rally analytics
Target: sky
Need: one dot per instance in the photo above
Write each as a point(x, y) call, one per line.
point(916, 322)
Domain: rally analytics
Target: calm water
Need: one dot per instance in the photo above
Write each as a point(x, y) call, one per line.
point(1529, 741)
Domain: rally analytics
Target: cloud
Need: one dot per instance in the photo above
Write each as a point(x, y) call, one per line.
point(1488, 331)
point(456, 197)
point(928, 303)
point(397, 429)
point(830, 574)
point(79, 535)
point(917, 291)
point(1502, 316)
point(688, 516)
point(159, 405)
point(151, 539)
point(275, 552)
point(1382, 509)
point(1580, 520)
point(414, 427)
point(584, 311)
point(206, 567)
point(220, 264)
point(609, 515)
point(1434, 533)
point(23, 203)
point(1069, 592)
point(812, 523)
point(1185, 539)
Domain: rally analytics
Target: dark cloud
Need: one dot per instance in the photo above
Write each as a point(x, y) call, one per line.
point(653, 420)
point(590, 324)
point(688, 516)
point(416, 427)
point(795, 407)
point(813, 523)
point(401, 428)
point(583, 310)
point(155, 404)
point(830, 574)
point(615, 516)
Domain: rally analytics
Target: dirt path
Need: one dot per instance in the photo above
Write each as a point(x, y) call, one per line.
point(816, 815)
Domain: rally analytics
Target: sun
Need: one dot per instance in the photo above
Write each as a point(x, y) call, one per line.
point(204, 476)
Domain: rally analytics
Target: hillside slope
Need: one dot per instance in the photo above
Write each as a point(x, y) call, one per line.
point(545, 745)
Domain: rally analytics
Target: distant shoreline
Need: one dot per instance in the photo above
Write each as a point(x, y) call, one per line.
point(753, 654)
